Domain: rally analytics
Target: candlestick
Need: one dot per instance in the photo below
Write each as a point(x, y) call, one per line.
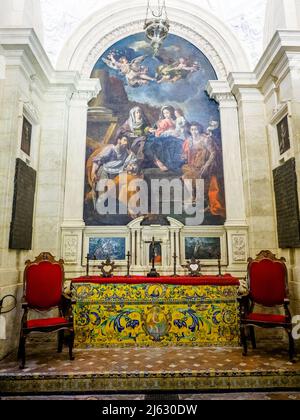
point(175, 265)
point(220, 266)
point(128, 263)
point(175, 243)
point(88, 258)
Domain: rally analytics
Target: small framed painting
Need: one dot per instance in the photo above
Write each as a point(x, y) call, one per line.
point(208, 244)
point(104, 247)
point(26, 137)
point(283, 135)
point(202, 248)
point(157, 254)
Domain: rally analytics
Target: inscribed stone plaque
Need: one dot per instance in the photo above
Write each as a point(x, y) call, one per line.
point(287, 205)
point(23, 205)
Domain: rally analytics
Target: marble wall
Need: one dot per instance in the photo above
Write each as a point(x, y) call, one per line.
point(282, 97)
point(30, 87)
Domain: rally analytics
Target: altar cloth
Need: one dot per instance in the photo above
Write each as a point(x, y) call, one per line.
point(226, 280)
point(156, 312)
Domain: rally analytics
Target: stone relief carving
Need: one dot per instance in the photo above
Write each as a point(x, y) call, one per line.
point(239, 248)
point(70, 249)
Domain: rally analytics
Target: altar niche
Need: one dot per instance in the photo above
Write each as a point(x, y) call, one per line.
point(166, 238)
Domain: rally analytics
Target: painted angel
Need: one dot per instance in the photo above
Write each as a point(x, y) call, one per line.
point(135, 74)
point(180, 69)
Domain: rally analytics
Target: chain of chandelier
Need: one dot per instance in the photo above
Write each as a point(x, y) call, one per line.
point(157, 24)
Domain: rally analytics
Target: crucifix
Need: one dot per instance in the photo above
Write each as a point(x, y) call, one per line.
point(153, 273)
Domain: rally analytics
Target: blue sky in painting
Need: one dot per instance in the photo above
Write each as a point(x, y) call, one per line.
point(188, 94)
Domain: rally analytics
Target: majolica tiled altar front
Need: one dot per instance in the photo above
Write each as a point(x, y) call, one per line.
point(156, 314)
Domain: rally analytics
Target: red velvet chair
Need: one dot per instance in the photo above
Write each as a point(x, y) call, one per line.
point(43, 292)
point(268, 287)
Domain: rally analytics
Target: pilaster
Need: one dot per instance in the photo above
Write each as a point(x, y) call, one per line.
point(236, 225)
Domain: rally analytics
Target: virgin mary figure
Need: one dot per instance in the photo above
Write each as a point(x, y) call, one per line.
point(163, 147)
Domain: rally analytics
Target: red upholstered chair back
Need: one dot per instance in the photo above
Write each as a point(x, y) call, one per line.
point(267, 279)
point(43, 282)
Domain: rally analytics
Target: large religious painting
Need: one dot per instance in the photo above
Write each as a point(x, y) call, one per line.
point(152, 124)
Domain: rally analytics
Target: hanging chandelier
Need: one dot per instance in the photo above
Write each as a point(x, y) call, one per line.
point(157, 24)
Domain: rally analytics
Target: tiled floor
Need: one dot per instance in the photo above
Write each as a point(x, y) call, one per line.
point(202, 369)
point(42, 358)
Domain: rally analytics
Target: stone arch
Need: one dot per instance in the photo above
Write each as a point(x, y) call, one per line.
point(189, 21)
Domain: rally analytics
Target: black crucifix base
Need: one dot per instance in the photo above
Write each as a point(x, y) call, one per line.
point(153, 274)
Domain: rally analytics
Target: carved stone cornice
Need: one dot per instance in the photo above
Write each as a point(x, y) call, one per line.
point(220, 91)
point(30, 109)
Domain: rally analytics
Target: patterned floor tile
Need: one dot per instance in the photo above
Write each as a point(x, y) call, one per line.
point(42, 358)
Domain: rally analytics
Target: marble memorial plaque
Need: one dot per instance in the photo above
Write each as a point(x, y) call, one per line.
point(23, 206)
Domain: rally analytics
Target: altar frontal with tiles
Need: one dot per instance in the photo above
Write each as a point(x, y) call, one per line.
point(155, 315)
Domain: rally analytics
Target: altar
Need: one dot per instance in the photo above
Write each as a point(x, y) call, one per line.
point(167, 311)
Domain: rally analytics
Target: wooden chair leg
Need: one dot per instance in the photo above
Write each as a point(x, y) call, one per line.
point(244, 340)
point(253, 339)
point(71, 345)
point(22, 351)
point(61, 336)
point(292, 352)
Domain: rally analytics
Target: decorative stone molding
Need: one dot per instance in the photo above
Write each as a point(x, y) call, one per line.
point(135, 27)
point(191, 22)
point(85, 96)
point(29, 109)
point(220, 91)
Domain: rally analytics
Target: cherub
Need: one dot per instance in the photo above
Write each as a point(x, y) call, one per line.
point(136, 74)
point(178, 70)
